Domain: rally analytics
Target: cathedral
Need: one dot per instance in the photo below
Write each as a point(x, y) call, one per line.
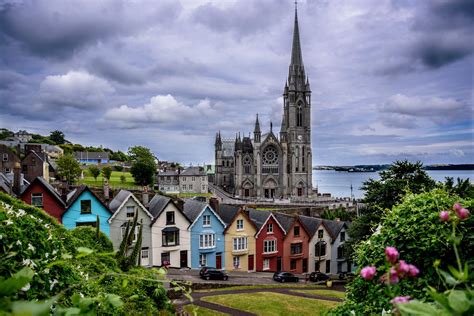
point(271, 165)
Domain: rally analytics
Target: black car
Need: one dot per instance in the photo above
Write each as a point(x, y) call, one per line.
point(318, 276)
point(203, 270)
point(285, 277)
point(214, 274)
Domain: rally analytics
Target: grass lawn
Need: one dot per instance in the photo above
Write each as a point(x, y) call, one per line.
point(190, 195)
point(201, 311)
point(263, 286)
point(268, 303)
point(328, 293)
point(114, 181)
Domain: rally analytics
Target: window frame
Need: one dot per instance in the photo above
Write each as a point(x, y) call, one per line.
point(320, 233)
point(128, 211)
point(296, 231)
point(234, 260)
point(39, 195)
point(270, 228)
point(296, 246)
point(90, 207)
point(173, 220)
point(202, 259)
point(266, 264)
point(270, 246)
point(165, 242)
point(241, 226)
point(206, 220)
point(240, 244)
point(207, 241)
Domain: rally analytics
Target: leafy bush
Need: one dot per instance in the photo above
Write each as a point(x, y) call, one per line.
point(118, 168)
point(414, 228)
point(86, 236)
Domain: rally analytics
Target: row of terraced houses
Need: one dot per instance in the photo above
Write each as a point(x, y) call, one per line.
point(192, 234)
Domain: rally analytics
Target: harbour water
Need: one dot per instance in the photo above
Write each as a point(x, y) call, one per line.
point(339, 183)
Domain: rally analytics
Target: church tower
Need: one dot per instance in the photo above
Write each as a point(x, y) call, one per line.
point(295, 132)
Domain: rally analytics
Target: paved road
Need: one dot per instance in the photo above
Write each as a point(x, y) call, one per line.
point(224, 309)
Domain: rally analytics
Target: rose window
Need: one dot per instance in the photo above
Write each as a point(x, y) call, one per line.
point(270, 156)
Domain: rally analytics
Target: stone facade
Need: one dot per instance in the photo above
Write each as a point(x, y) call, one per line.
point(267, 166)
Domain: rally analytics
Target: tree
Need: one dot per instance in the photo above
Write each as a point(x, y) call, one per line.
point(106, 172)
point(123, 179)
point(94, 171)
point(463, 187)
point(400, 178)
point(143, 165)
point(57, 137)
point(125, 259)
point(68, 168)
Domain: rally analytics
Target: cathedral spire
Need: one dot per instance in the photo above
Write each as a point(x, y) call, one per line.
point(257, 126)
point(296, 56)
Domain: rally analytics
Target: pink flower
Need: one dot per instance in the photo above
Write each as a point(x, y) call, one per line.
point(444, 216)
point(463, 213)
point(403, 268)
point(368, 273)
point(393, 276)
point(392, 254)
point(457, 207)
point(400, 299)
point(412, 270)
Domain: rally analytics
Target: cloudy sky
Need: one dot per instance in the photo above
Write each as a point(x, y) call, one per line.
point(390, 79)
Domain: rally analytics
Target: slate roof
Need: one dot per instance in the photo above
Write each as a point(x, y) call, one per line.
point(158, 204)
point(4, 183)
point(48, 188)
point(168, 173)
point(74, 195)
point(285, 220)
point(334, 227)
point(193, 171)
point(192, 209)
point(91, 155)
point(227, 212)
point(311, 224)
point(118, 200)
point(258, 217)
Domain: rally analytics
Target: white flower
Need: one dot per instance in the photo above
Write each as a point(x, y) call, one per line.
point(55, 251)
point(10, 212)
point(26, 287)
point(46, 271)
point(46, 226)
point(40, 220)
point(81, 295)
point(46, 255)
point(29, 263)
point(21, 212)
point(1, 237)
point(18, 242)
point(30, 247)
point(9, 222)
point(52, 284)
point(50, 237)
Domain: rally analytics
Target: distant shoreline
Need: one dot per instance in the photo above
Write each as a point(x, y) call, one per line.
point(375, 168)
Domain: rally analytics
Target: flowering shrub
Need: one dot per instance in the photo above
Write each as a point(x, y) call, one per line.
point(420, 238)
point(41, 260)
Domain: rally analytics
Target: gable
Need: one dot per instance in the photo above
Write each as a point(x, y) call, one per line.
point(88, 195)
point(207, 210)
point(276, 225)
point(131, 199)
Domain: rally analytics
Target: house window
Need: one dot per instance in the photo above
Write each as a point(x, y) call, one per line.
point(165, 259)
point(240, 224)
point(320, 249)
point(236, 262)
point(269, 246)
point(299, 116)
point(240, 243)
point(130, 211)
point(93, 224)
point(202, 259)
point(343, 236)
point(340, 252)
point(296, 248)
point(296, 231)
point(193, 179)
point(266, 264)
point(270, 228)
point(206, 220)
point(320, 233)
point(293, 264)
point(207, 241)
point(190, 187)
point(339, 267)
point(170, 238)
point(5, 157)
point(169, 218)
point(328, 266)
point(145, 253)
point(37, 199)
point(86, 207)
point(135, 235)
point(7, 170)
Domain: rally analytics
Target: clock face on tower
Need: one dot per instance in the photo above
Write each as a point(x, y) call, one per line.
point(300, 137)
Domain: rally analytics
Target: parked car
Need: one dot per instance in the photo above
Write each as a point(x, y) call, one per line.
point(285, 277)
point(204, 270)
point(214, 274)
point(318, 276)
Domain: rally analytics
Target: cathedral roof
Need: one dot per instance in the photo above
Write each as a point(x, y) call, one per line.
point(228, 147)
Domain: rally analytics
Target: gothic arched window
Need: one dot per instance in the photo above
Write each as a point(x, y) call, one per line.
point(299, 115)
point(247, 164)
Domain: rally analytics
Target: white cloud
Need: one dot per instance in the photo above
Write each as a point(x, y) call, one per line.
point(75, 89)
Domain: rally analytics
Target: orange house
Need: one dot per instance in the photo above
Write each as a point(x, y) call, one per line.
point(296, 248)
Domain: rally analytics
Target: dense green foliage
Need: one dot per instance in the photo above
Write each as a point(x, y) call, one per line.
point(57, 137)
point(128, 254)
point(41, 261)
point(414, 228)
point(5, 133)
point(68, 168)
point(340, 213)
point(94, 171)
point(143, 165)
point(106, 172)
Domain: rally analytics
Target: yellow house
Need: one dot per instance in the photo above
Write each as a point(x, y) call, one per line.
point(239, 238)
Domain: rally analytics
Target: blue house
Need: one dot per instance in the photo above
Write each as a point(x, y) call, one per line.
point(83, 208)
point(85, 157)
point(207, 235)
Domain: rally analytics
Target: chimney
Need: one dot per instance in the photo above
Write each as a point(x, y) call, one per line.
point(17, 179)
point(106, 191)
point(214, 204)
point(145, 197)
point(179, 204)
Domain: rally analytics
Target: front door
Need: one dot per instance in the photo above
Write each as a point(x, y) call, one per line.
point(219, 260)
point(279, 264)
point(183, 261)
point(300, 191)
point(251, 262)
point(305, 265)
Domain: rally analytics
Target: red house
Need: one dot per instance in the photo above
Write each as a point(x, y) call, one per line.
point(270, 242)
point(296, 248)
point(41, 194)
